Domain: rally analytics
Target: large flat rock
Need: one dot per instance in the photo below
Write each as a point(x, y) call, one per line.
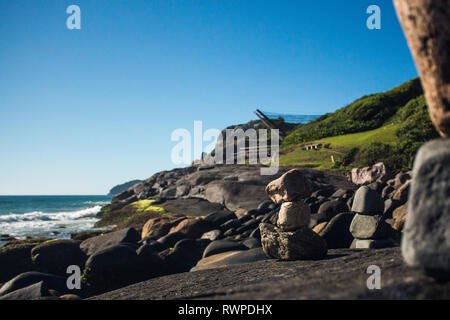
point(342, 275)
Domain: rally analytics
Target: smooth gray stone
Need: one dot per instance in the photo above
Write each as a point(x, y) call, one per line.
point(426, 235)
point(368, 202)
point(369, 227)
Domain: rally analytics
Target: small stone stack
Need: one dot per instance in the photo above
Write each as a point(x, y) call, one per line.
point(291, 238)
point(369, 227)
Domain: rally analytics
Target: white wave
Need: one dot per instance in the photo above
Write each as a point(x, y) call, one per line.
point(38, 222)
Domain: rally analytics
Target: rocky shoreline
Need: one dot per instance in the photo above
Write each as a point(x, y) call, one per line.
point(206, 218)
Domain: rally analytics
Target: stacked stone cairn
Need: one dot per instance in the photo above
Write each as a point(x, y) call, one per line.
point(291, 238)
point(368, 226)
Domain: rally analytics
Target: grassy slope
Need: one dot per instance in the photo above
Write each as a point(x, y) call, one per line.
point(338, 146)
point(389, 126)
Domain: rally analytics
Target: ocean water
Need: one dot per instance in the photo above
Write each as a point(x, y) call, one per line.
point(48, 216)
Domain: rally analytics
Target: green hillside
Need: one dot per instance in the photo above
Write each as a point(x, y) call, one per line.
point(387, 127)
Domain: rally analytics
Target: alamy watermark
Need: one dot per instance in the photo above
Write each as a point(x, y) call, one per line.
point(374, 280)
point(374, 20)
point(74, 20)
point(236, 146)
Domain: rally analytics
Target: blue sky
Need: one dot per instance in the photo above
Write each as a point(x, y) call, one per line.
point(84, 110)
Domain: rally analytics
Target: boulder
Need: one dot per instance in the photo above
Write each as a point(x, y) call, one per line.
point(426, 236)
point(98, 243)
point(290, 186)
point(369, 227)
point(220, 246)
point(112, 268)
point(29, 278)
point(169, 241)
point(399, 215)
point(159, 227)
point(212, 235)
point(401, 195)
point(35, 291)
point(387, 191)
point(252, 243)
point(293, 215)
point(318, 228)
point(234, 223)
point(192, 228)
point(342, 193)
point(367, 202)
point(389, 206)
point(370, 174)
point(331, 208)
point(55, 256)
point(264, 207)
point(220, 217)
point(184, 255)
point(248, 226)
point(302, 244)
point(337, 232)
point(15, 258)
point(230, 258)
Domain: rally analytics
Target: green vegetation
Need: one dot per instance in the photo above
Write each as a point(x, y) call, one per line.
point(367, 113)
point(387, 127)
point(132, 215)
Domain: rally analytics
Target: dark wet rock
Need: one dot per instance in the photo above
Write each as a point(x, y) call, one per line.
point(376, 186)
point(316, 219)
point(387, 191)
point(302, 244)
point(426, 236)
point(264, 207)
point(337, 232)
point(15, 257)
point(192, 228)
point(220, 246)
point(256, 233)
point(169, 241)
point(98, 243)
point(184, 255)
point(367, 202)
point(252, 243)
point(342, 193)
point(369, 227)
point(56, 256)
point(83, 235)
point(389, 206)
point(112, 268)
point(35, 291)
point(220, 217)
point(247, 226)
point(213, 235)
point(243, 219)
point(324, 192)
point(29, 278)
point(234, 223)
point(331, 208)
